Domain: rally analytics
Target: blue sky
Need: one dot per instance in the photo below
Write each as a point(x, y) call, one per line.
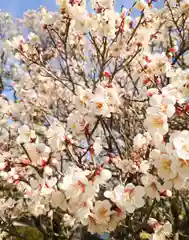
point(18, 7)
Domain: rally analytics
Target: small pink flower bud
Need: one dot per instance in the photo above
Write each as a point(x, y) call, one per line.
point(166, 193)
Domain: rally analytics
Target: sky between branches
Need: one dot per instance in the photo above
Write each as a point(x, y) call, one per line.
point(18, 7)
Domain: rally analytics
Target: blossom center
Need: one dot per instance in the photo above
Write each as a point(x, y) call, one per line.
point(103, 211)
point(163, 107)
point(128, 194)
point(157, 122)
point(99, 105)
point(166, 164)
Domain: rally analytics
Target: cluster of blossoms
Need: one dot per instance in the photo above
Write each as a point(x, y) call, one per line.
point(91, 136)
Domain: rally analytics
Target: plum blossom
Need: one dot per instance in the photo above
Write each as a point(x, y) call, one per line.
point(127, 198)
point(152, 186)
point(163, 104)
point(140, 4)
point(74, 184)
point(116, 216)
point(97, 146)
point(58, 200)
point(180, 142)
point(99, 106)
point(78, 123)
point(113, 98)
point(102, 211)
point(161, 231)
point(26, 135)
point(141, 140)
point(82, 100)
point(184, 7)
point(82, 211)
point(37, 152)
point(165, 165)
point(182, 167)
point(56, 136)
point(96, 99)
point(102, 176)
point(94, 227)
point(33, 38)
point(152, 91)
point(156, 122)
point(176, 182)
point(17, 41)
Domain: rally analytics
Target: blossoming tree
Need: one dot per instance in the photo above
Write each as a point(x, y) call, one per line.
point(97, 136)
point(6, 65)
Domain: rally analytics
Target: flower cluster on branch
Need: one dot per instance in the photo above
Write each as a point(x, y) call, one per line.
point(96, 135)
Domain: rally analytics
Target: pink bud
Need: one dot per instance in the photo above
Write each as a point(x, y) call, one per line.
point(147, 59)
point(107, 74)
point(43, 163)
point(44, 26)
point(26, 161)
point(17, 182)
point(119, 211)
point(150, 94)
point(27, 193)
point(145, 81)
point(97, 172)
point(158, 81)
point(166, 193)
point(139, 44)
point(172, 49)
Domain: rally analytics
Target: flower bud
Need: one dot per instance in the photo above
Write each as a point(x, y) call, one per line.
point(166, 193)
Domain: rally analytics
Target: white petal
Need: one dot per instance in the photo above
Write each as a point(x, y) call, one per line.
point(108, 194)
point(139, 202)
point(156, 100)
point(140, 191)
point(105, 174)
point(170, 100)
point(152, 110)
point(157, 139)
point(155, 154)
point(167, 227)
point(170, 110)
point(129, 208)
